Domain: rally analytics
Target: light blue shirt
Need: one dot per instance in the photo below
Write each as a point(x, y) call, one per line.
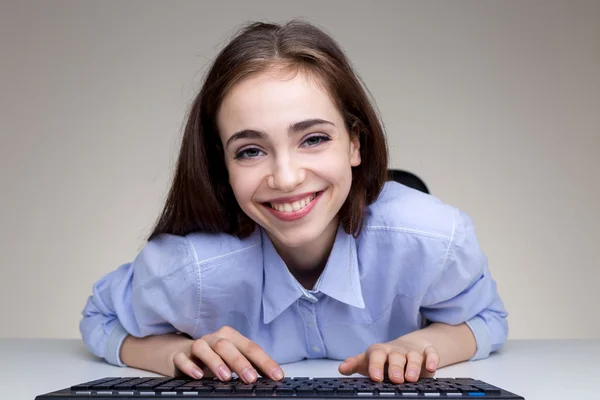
point(416, 260)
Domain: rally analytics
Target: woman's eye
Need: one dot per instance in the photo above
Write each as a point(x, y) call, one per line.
point(316, 140)
point(251, 152)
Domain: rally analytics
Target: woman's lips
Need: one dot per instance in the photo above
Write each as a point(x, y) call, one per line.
point(294, 215)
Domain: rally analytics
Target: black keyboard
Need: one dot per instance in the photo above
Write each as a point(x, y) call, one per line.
point(307, 388)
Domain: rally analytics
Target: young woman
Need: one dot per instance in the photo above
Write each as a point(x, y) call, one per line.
point(280, 239)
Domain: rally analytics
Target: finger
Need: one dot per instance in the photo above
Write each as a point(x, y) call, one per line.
point(352, 365)
point(232, 356)
point(377, 359)
point(187, 366)
point(204, 352)
point(236, 361)
point(414, 360)
point(432, 359)
point(396, 364)
point(257, 356)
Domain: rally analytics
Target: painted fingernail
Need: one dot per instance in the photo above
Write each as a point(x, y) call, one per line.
point(277, 373)
point(249, 374)
point(223, 373)
point(198, 374)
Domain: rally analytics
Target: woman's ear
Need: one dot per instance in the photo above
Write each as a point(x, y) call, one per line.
point(354, 151)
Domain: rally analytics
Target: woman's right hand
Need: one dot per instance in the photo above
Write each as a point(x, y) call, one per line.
point(223, 352)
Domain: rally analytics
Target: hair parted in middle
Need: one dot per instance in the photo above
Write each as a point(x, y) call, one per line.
point(200, 198)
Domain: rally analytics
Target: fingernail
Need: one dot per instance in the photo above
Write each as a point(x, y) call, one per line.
point(197, 373)
point(277, 373)
point(377, 374)
point(431, 365)
point(397, 374)
point(411, 374)
point(249, 374)
point(223, 373)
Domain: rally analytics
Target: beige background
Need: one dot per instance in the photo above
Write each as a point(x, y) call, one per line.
point(495, 104)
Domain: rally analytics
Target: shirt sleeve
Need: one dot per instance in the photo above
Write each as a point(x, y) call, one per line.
point(465, 292)
point(155, 294)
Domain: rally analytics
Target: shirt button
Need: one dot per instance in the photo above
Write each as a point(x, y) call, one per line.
point(316, 348)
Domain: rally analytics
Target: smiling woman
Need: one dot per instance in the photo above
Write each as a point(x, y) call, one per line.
point(279, 240)
point(287, 141)
point(257, 73)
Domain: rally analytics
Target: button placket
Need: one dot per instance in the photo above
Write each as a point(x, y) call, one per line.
point(316, 347)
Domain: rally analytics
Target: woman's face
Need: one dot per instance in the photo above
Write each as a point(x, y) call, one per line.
point(288, 154)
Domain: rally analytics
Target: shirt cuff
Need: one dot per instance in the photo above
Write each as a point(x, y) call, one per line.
point(482, 338)
point(113, 345)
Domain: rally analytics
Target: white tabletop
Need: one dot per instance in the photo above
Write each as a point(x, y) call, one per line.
point(534, 369)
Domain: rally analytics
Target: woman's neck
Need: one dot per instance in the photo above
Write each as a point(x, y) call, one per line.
point(307, 262)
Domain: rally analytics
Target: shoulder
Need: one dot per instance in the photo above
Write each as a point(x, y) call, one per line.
point(167, 253)
point(405, 210)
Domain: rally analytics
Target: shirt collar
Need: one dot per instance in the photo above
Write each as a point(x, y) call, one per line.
point(281, 289)
point(339, 280)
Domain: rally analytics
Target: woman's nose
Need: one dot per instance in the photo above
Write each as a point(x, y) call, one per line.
point(286, 175)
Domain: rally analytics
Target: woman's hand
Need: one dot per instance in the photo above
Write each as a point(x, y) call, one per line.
point(224, 351)
point(404, 359)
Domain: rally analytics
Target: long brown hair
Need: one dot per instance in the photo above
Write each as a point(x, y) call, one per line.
point(200, 198)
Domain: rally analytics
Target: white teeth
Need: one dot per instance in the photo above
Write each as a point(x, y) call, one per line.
point(295, 206)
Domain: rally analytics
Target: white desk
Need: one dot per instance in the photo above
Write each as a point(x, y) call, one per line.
point(534, 369)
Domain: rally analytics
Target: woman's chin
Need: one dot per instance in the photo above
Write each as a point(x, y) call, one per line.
point(295, 238)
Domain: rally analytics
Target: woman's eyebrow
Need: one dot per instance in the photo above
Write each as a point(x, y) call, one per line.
point(293, 128)
point(307, 124)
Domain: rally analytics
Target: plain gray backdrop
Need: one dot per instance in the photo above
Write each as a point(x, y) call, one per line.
point(495, 104)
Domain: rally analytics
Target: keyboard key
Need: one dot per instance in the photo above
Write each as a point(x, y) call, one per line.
point(152, 383)
point(130, 384)
point(263, 390)
point(325, 391)
point(448, 391)
point(110, 384)
point(88, 385)
point(244, 388)
point(223, 389)
point(305, 391)
point(283, 391)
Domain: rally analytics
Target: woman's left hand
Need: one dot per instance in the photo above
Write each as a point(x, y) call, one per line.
point(405, 361)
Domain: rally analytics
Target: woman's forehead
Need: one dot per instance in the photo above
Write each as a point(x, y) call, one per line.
point(273, 100)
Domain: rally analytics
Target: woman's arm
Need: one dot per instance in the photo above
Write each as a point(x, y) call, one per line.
point(155, 353)
point(454, 343)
